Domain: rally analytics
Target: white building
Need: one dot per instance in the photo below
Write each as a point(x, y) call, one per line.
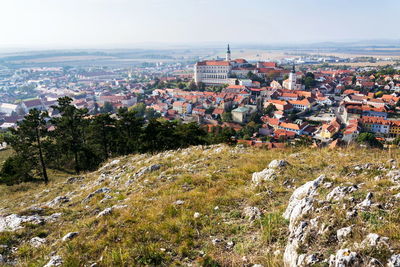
point(8, 108)
point(214, 72)
point(292, 79)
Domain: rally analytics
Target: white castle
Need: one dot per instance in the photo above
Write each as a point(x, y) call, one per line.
point(217, 72)
point(214, 71)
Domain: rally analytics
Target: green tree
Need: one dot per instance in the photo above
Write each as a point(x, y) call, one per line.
point(150, 113)
point(129, 128)
point(27, 140)
point(227, 116)
point(369, 139)
point(309, 80)
point(70, 129)
point(269, 110)
point(102, 133)
point(107, 108)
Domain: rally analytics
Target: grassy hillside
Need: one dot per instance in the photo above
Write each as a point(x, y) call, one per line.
point(188, 207)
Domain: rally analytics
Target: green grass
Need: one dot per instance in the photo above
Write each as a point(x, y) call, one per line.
point(153, 230)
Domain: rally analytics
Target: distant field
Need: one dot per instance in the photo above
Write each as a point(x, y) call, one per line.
point(62, 59)
point(137, 56)
point(258, 54)
point(365, 64)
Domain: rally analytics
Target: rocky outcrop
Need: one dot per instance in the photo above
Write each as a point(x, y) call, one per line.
point(345, 258)
point(37, 242)
point(264, 175)
point(277, 163)
point(394, 261)
point(367, 202)
point(300, 203)
point(58, 201)
point(301, 200)
point(394, 175)
point(340, 192)
point(343, 233)
point(98, 191)
point(269, 173)
point(375, 240)
point(148, 169)
point(54, 261)
point(252, 213)
point(69, 236)
point(108, 211)
point(14, 221)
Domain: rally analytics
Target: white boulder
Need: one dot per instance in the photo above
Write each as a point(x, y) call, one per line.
point(69, 236)
point(343, 233)
point(394, 261)
point(54, 261)
point(37, 241)
point(277, 163)
point(345, 258)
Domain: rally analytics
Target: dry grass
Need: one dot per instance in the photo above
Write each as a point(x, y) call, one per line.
point(153, 230)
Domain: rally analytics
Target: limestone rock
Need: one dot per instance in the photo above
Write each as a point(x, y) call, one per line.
point(394, 261)
point(343, 233)
point(300, 203)
point(301, 199)
point(277, 164)
point(58, 201)
point(179, 202)
point(98, 191)
point(394, 175)
point(345, 258)
point(105, 212)
point(374, 240)
point(148, 169)
point(339, 192)
point(54, 261)
point(252, 213)
point(69, 236)
point(290, 256)
point(111, 164)
point(307, 260)
point(108, 211)
point(264, 175)
point(37, 241)
point(367, 202)
point(13, 222)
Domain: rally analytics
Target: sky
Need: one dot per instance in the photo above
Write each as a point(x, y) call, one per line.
point(120, 23)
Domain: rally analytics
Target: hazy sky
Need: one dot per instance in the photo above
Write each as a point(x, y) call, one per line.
point(99, 23)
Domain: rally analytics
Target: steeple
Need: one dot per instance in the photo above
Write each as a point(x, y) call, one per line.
point(292, 79)
point(228, 54)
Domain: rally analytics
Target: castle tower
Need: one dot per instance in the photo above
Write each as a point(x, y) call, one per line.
point(292, 79)
point(228, 54)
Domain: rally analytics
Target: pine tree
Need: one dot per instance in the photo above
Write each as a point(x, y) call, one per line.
point(27, 140)
point(70, 129)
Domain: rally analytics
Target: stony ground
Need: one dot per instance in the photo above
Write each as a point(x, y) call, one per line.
point(211, 206)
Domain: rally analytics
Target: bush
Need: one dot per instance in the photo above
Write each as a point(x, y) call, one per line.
point(16, 169)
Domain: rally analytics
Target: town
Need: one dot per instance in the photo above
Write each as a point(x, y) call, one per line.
point(268, 104)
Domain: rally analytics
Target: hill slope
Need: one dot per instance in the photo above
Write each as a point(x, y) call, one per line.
point(205, 206)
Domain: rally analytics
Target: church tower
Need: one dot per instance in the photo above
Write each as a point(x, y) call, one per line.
point(228, 54)
point(292, 79)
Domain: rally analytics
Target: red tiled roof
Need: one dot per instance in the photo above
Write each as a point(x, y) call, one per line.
point(213, 63)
